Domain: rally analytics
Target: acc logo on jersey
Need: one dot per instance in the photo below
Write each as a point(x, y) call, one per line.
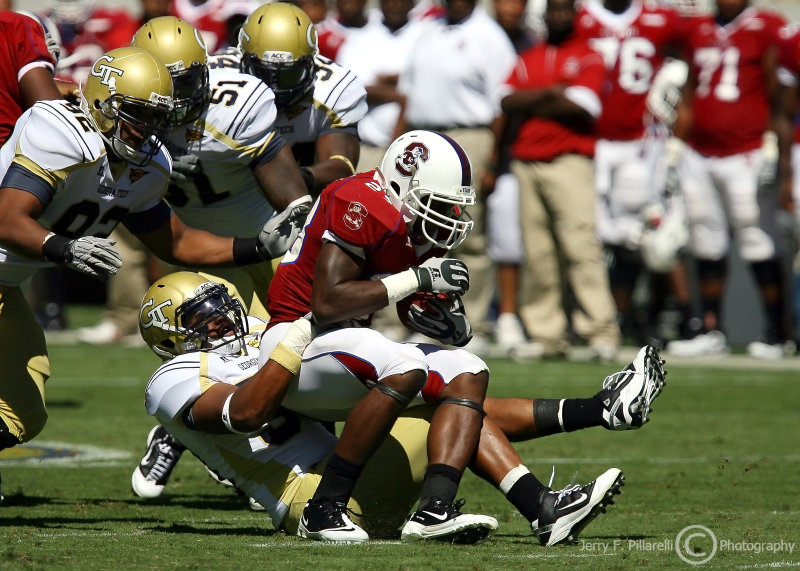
point(136, 174)
point(104, 71)
point(354, 217)
point(408, 163)
point(154, 316)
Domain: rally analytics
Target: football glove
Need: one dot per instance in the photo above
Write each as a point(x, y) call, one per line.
point(442, 275)
point(184, 169)
point(447, 323)
point(89, 254)
point(282, 229)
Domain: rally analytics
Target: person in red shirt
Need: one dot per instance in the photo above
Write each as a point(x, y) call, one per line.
point(26, 69)
point(555, 88)
point(726, 118)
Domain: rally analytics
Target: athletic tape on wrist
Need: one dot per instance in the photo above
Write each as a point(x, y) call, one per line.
point(287, 358)
point(400, 286)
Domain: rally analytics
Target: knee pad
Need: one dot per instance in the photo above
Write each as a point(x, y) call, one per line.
point(464, 402)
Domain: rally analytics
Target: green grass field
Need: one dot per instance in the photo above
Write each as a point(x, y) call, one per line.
point(721, 451)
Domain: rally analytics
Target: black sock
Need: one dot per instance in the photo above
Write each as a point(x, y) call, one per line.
point(524, 495)
point(441, 481)
point(552, 416)
point(338, 480)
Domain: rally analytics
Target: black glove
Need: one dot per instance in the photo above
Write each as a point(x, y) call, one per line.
point(443, 321)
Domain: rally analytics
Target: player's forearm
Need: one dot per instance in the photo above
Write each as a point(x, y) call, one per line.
point(255, 403)
point(347, 300)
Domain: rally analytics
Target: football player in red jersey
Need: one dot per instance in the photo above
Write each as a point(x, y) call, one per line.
point(371, 240)
point(26, 69)
point(725, 117)
point(634, 37)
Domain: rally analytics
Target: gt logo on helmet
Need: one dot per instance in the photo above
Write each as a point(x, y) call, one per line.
point(104, 72)
point(408, 163)
point(156, 315)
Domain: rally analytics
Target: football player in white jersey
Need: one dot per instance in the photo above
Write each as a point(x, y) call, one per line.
point(275, 455)
point(236, 170)
point(318, 107)
point(69, 175)
point(319, 102)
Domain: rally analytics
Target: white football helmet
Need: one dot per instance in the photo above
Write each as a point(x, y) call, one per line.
point(665, 236)
point(429, 177)
point(184, 312)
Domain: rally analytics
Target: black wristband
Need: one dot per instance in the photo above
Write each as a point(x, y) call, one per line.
point(308, 178)
point(55, 247)
point(245, 251)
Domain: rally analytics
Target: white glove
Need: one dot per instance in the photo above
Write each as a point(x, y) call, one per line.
point(768, 175)
point(89, 255)
point(666, 90)
point(442, 275)
point(282, 229)
point(184, 169)
point(436, 275)
point(448, 324)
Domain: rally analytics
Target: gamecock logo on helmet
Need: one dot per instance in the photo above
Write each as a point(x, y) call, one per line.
point(354, 217)
point(407, 163)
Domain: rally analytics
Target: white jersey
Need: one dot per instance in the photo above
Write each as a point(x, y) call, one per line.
point(374, 51)
point(82, 193)
point(237, 129)
point(267, 467)
point(456, 74)
point(338, 103)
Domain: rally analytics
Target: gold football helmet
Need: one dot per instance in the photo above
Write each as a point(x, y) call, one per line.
point(278, 44)
point(184, 312)
point(128, 95)
point(179, 45)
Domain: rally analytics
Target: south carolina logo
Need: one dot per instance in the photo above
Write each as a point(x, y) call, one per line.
point(408, 163)
point(354, 217)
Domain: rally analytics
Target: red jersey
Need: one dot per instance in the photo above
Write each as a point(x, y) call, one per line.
point(572, 64)
point(105, 29)
point(789, 58)
point(731, 106)
point(633, 45)
point(210, 18)
point(357, 214)
point(22, 46)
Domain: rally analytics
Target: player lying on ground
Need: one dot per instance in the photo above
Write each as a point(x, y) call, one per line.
point(211, 397)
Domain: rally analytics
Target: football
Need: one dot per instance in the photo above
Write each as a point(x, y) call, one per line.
point(420, 299)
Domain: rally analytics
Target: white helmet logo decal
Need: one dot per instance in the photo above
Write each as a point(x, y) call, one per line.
point(408, 163)
point(104, 71)
point(156, 315)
